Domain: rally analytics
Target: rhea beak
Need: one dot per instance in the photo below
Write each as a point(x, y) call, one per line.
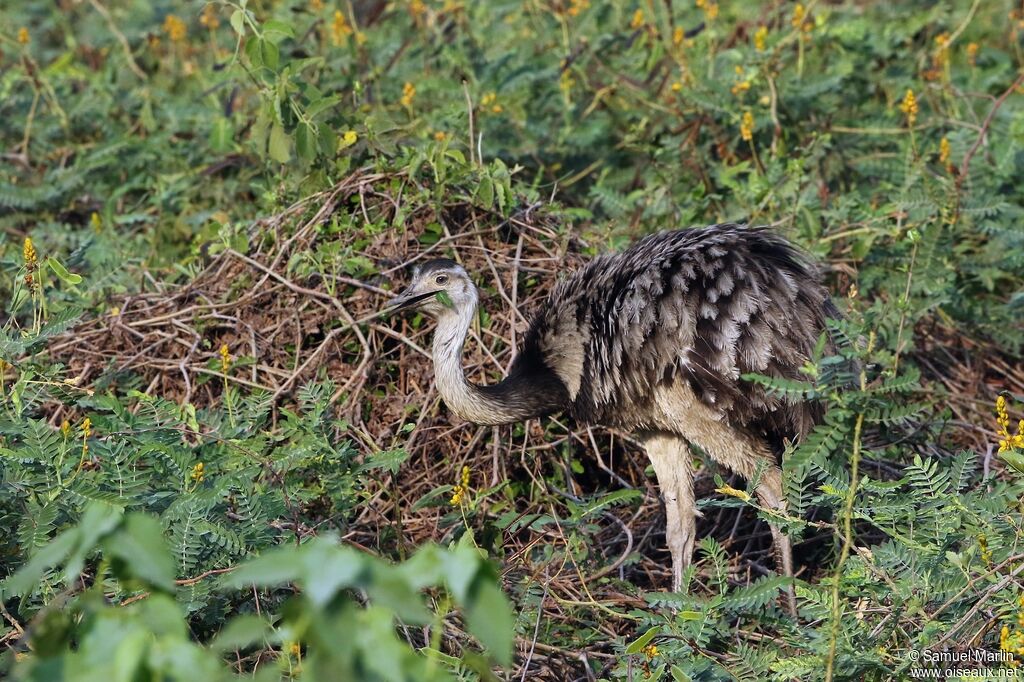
point(406, 299)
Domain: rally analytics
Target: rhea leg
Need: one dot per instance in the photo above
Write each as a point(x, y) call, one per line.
point(734, 448)
point(673, 466)
point(769, 492)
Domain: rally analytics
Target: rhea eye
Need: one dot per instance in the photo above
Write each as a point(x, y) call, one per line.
point(441, 280)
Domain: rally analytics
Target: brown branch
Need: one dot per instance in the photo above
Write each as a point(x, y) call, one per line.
point(964, 167)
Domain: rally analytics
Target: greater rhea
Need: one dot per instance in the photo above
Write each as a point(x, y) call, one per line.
point(655, 340)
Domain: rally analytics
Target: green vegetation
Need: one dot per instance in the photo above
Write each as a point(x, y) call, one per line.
point(218, 462)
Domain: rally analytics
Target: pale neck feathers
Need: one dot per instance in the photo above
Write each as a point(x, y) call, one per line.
point(530, 389)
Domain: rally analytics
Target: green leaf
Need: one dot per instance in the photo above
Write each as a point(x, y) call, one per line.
point(321, 105)
point(269, 53)
point(386, 459)
point(329, 568)
point(489, 617)
point(280, 565)
point(679, 676)
point(444, 299)
point(637, 645)
point(238, 22)
point(460, 567)
point(241, 632)
point(485, 192)
point(162, 616)
point(99, 519)
point(305, 141)
point(276, 31)
point(1014, 459)
point(62, 273)
point(29, 576)
point(279, 144)
point(142, 551)
point(222, 135)
point(253, 51)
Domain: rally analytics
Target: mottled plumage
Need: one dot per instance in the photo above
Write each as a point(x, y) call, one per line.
point(699, 307)
point(656, 340)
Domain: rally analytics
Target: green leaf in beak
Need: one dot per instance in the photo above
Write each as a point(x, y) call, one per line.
point(444, 299)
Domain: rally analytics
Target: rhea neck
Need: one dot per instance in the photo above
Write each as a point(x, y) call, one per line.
point(526, 392)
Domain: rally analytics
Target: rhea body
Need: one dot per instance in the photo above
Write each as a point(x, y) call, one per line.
point(656, 340)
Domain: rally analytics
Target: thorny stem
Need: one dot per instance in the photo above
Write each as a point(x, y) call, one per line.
point(847, 543)
point(229, 401)
point(844, 554)
point(904, 302)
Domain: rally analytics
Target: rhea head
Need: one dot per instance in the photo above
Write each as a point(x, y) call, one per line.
point(440, 288)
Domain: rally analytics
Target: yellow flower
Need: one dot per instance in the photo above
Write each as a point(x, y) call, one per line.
point(295, 649)
point(742, 84)
point(28, 251)
point(677, 86)
point(491, 100)
point(348, 138)
point(578, 6)
point(972, 53)
point(340, 30)
point(678, 34)
point(944, 150)
point(941, 57)
point(909, 107)
point(440, 136)
point(86, 427)
point(209, 17)
point(747, 133)
point(461, 488)
point(23, 37)
point(711, 11)
point(316, 6)
point(1008, 441)
point(198, 472)
point(566, 81)
point(986, 553)
point(638, 19)
point(733, 492)
point(417, 8)
point(225, 358)
point(95, 221)
point(408, 93)
point(65, 428)
point(175, 28)
point(799, 14)
point(760, 38)
point(650, 651)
